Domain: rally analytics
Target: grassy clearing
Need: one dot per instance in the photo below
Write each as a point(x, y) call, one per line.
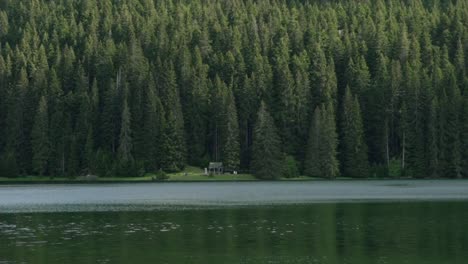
point(190, 174)
point(196, 174)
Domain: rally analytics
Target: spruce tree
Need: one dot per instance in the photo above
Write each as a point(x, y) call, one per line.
point(13, 131)
point(311, 164)
point(173, 146)
point(432, 140)
point(321, 157)
point(125, 166)
point(231, 147)
point(109, 120)
point(354, 160)
point(284, 104)
point(329, 143)
point(464, 135)
point(217, 118)
point(125, 139)
point(452, 130)
point(266, 152)
point(83, 126)
point(152, 127)
point(88, 157)
point(40, 139)
point(197, 107)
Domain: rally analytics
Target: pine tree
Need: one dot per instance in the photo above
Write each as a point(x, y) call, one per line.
point(266, 153)
point(124, 152)
point(152, 127)
point(378, 111)
point(283, 93)
point(358, 77)
point(450, 144)
point(125, 139)
point(109, 120)
point(82, 128)
point(413, 124)
point(88, 157)
point(354, 149)
point(40, 139)
point(58, 133)
point(217, 118)
point(452, 130)
point(323, 78)
point(464, 135)
point(321, 157)
point(312, 164)
point(329, 143)
point(197, 110)
point(432, 140)
point(231, 148)
point(15, 132)
point(173, 146)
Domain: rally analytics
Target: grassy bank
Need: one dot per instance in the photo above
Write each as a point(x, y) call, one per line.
point(190, 174)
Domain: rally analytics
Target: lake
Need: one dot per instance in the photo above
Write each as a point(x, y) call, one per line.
point(255, 222)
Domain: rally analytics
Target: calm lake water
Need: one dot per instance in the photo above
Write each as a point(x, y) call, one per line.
point(318, 222)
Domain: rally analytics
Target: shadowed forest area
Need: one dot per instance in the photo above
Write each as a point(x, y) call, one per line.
point(277, 88)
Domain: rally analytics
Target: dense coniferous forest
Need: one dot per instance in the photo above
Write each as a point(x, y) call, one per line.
point(279, 88)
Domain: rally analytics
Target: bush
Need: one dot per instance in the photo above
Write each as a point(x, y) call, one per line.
point(291, 169)
point(103, 165)
point(161, 175)
point(8, 166)
point(378, 171)
point(129, 169)
point(394, 168)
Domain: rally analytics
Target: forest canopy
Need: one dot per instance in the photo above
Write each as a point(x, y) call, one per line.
point(320, 88)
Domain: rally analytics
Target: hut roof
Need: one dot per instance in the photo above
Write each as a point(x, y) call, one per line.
point(215, 165)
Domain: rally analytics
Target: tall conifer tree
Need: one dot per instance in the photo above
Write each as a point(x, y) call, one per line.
point(40, 138)
point(321, 157)
point(266, 152)
point(231, 148)
point(354, 149)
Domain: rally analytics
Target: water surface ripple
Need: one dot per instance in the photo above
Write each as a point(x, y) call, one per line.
point(144, 196)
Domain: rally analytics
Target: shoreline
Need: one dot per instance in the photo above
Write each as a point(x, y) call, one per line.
point(32, 181)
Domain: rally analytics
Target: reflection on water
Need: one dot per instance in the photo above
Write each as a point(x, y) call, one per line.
point(435, 232)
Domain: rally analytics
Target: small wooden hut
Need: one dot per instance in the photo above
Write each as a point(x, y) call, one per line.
point(216, 168)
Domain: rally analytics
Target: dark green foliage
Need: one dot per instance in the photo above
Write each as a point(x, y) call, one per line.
point(153, 123)
point(354, 149)
point(311, 163)
point(126, 166)
point(173, 148)
point(8, 166)
point(133, 86)
point(321, 157)
point(161, 175)
point(124, 151)
point(267, 159)
point(40, 139)
point(231, 148)
point(464, 135)
point(291, 168)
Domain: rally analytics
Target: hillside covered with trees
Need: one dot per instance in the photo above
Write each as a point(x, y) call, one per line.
point(279, 88)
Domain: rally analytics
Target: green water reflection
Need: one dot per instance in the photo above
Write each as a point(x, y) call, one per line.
point(319, 233)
